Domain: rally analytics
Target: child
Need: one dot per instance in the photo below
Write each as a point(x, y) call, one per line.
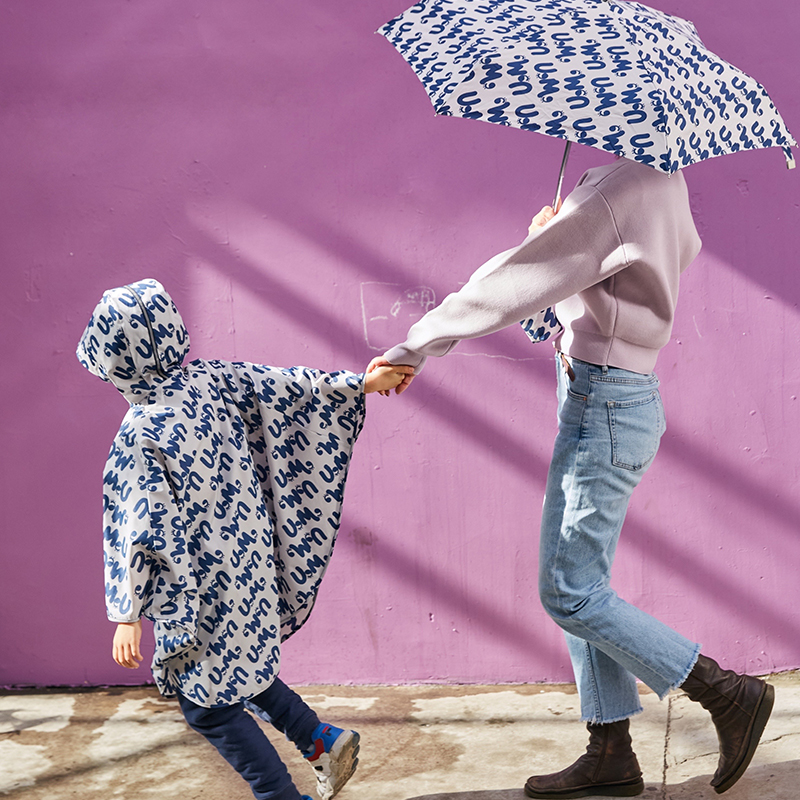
point(222, 498)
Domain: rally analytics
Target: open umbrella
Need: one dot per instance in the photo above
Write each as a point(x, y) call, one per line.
point(618, 76)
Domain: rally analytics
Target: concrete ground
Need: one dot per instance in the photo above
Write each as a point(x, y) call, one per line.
point(432, 742)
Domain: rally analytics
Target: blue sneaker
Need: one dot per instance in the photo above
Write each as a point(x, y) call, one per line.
point(333, 757)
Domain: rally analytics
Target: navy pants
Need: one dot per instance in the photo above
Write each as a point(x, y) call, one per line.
point(241, 743)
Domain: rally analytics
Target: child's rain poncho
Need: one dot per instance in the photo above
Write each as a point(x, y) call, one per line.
point(222, 495)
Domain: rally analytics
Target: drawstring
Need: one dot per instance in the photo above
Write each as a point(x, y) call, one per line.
point(567, 367)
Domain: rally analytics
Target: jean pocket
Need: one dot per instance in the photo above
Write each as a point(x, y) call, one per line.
point(636, 430)
point(571, 409)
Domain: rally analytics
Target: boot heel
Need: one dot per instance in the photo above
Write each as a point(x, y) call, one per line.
point(760, 719)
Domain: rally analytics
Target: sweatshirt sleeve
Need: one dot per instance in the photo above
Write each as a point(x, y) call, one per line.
point(580, 247)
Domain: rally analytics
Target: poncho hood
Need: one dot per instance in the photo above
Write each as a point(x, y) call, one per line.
point(134, 339)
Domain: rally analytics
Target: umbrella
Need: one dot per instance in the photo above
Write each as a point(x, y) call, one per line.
point(618, 76)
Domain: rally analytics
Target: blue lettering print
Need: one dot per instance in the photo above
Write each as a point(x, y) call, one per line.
point(305, 491)
point(117, 600)
point(612, 140)
point(566, 50)
point(293, 470)
point(493, 72)
point(219, 644)
point(331, 471)
point(334, 495)
point(620, 56)
point(606, 97)
point(298, 440)
point(194, 491)
point(118, 345)
point(217, 673)
point(517, 70)
point(578, 98)
point(116, 571)
point(550, 86)
point(525, 114)
point(313, 565)
point(497, 112)
point(593, 60)
point(292, 527)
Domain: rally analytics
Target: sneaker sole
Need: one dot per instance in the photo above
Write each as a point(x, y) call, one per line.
point(760, 719)
point(344, 760)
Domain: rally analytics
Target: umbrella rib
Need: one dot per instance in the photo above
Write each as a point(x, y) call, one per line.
point(633, 29)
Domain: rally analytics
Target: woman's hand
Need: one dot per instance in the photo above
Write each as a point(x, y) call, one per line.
point(543, 217)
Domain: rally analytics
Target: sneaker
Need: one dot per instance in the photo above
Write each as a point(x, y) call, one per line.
point(334, 758)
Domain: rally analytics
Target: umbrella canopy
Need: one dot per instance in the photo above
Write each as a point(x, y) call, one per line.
point(618, 76)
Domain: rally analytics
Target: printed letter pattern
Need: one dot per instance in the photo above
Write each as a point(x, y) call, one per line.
point(222, 495)
point(619, 76)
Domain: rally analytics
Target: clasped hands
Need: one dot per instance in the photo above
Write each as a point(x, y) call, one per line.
point(383, 376)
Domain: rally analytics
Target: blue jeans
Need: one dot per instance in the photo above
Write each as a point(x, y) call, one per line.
point(610, 422)
point(241, 743)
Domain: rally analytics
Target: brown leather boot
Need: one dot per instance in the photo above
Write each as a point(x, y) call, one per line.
point(740, 706)
point(608, 768)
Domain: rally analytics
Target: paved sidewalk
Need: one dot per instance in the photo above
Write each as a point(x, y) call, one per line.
point(433, 742)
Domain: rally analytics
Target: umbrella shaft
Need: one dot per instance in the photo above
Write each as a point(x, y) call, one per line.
point(561, 175)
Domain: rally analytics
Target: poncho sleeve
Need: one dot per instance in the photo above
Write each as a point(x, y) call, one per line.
point(275, 400)
point(144, 545)
point(301, 425)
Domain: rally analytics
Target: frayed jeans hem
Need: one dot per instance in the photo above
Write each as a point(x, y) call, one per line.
point(596, 721)
point(680, 683)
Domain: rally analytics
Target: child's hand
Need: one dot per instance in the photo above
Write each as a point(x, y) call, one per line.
point(126, 650)
point(543, 217)
point(383, 377)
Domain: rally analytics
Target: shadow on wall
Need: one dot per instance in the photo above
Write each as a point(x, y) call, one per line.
point(122, 120)
point(719, 586)
point(487, 434)
point(394, 561)
point(448, 409)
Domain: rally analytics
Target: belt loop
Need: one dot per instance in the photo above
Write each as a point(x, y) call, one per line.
point(567, 367)
point(605, 369)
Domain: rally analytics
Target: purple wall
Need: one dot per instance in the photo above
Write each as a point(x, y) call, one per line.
point(278, 167)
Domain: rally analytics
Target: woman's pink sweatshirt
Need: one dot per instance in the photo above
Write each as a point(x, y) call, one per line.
point(610, 261)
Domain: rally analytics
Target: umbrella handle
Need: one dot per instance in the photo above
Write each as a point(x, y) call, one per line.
point(561, 175)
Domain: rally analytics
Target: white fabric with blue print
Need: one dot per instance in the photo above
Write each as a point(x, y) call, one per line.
point(222, 495)
point(618, 76)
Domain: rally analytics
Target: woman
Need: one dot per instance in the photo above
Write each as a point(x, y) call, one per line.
point(610, 262)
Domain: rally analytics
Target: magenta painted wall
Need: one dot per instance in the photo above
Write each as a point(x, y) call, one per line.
point(277, 166)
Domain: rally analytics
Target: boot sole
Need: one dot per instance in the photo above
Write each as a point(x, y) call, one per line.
point(760, 719)
point(596, 790)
